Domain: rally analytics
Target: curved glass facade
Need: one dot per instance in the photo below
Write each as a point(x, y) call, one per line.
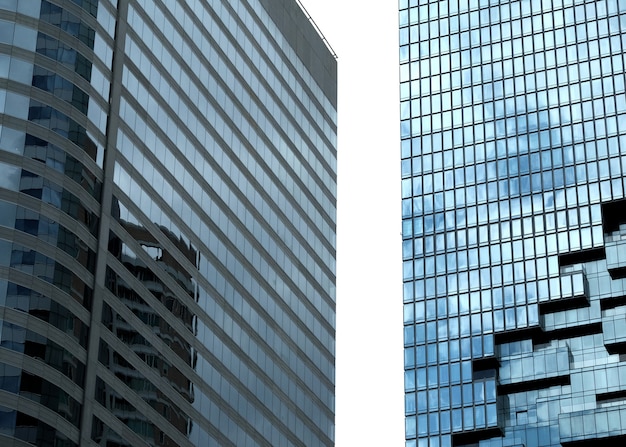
point(167, 224)
point(513, 179)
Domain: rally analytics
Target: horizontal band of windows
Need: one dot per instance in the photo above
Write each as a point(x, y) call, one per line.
point(38, 305)
point(23, 108)
point(37, 264)
point(32, 344)
point(35, 423)
point(48, 236)
point(534, 385)
point(41, 287)
point(39, 390)
point(88, 156)
point(40, 332)
point(91, 88)
point(37, 366)
point(44, 188)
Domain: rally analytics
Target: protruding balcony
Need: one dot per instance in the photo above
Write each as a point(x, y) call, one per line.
point(569, 291)
point(614, 333)
point(587, 427)
point(614, 227)
point(615, 247)
point(536, 370)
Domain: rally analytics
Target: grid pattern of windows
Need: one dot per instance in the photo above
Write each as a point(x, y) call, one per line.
point(513, 126)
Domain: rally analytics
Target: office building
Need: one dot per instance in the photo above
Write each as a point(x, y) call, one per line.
point(514, 210)
point(167, 224)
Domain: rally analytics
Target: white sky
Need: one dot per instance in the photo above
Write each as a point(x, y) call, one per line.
point(370, 396)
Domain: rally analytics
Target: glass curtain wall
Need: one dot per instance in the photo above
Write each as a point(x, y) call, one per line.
point(167, 224)
point(513, 124)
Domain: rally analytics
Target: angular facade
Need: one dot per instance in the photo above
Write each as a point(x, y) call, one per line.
point(167, 224)
point(514, 215)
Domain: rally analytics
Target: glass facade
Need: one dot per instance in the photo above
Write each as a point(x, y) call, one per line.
point(513, 125)
point(167, 224)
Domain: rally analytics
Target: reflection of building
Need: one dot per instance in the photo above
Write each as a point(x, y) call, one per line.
point(127, 333)
point(513, 136)
point(167, 224)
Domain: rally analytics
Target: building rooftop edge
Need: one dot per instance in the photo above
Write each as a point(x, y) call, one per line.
point(317, 29)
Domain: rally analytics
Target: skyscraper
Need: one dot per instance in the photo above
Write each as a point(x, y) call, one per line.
point(514, 211)
point(167, 224)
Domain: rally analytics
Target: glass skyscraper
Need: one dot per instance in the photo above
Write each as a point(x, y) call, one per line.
point(167, 224)
point(514, 221)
